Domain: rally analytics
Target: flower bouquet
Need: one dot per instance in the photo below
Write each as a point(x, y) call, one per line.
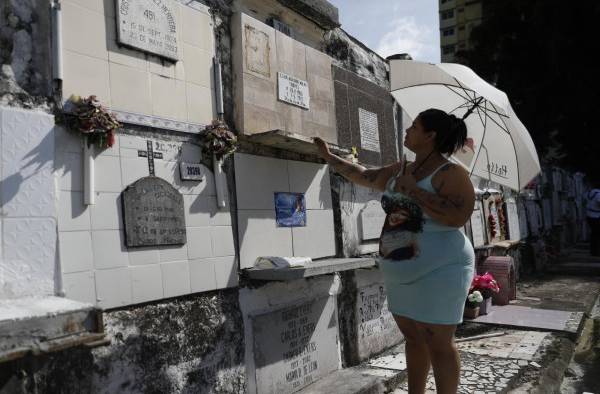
point(487, 286)
point(472, 304)
point(218, 140)
point(92, 120)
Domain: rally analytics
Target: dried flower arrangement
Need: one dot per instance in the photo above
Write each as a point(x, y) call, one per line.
point(218, 140)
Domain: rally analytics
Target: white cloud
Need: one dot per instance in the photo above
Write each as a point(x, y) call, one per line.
point(406, 36)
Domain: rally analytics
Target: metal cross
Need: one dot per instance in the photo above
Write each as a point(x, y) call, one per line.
point(151, 155)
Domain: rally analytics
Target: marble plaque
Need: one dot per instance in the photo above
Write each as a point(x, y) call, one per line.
point(371, 217)
point(477, 226)
point(295, 346)
point(150, 26)
point(153, 213)
point(376, 325)
point(293, 90)
point(369, 130)
point(513, 220)
point(257, 51)
point(191, 171)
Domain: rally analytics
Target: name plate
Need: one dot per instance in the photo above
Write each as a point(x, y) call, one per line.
point(148, 25)
point(191, 171)
point(293, 90)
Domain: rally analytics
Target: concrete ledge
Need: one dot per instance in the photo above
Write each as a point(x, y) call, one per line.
point(46, 324)
point(321, 12)
point(294, 142)
point(319, 267)
point(359, 379)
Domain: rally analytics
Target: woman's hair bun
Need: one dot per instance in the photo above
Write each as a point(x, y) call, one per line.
point(451, 131)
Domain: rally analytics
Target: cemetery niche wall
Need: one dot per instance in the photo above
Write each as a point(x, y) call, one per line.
point(151, 64)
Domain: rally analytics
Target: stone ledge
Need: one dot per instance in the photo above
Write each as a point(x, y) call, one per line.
point(294, 142)
point(321, 12)
point(319, 267)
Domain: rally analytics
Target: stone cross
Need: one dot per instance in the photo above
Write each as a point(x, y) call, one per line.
point(151, 155)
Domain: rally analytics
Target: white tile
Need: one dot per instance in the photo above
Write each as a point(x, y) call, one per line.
point(162, 67)
point(197, 210)
point(202, 275)
point(28, 261)
point(168, 98)
point(132, 142)
point(176, 278)
point(196, 28)
point(198, 64)
point(312, 180)
point(173, 253)
point(146, 283)
point(106, 213)
point(191, 153)
point(73, 215)
point(259, 236)
point(219, 216)
point(99, 6)
point(143, 255)
point(75, 251)
point(77, 20)
point(133, 169)
point(257, 179)
point(200, 103)
point(167, 170)
point(67, 140)
point(226, 272)
point(108, 151)
point(85, 76)
point(80, 286)
point(113, 287)
point(107, 174)
point(69, 171)
point(222, 239)
point(317, 239)
point(199, 242)
point(109, 249)
point(27, 163)
point(130, 89)
point(126, 56)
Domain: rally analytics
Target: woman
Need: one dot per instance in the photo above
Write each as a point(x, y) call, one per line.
point(426, 262)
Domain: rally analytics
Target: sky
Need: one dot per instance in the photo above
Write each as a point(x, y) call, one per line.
point(394, 26)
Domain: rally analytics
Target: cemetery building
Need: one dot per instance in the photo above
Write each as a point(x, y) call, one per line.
point(150, 265)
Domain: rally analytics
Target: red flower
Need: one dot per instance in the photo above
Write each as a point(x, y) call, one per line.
point(485, 283)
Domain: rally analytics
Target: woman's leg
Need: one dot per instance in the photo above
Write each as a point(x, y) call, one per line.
point(417, 356)
point(444, 356)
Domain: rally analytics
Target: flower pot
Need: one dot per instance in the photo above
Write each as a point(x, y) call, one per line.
point(471, 313)
point(486, 306)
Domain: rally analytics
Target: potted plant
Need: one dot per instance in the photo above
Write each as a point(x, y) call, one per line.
point(472, 304)
point(486, 285)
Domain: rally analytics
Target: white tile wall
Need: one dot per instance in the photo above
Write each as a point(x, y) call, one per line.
point(130, 89)
point(257, 178)
point(72, 214)
point(86, 75)
point(107, 174)
point(173, 253)
point(197, 210)
point(313, 180)
point(222, 241)
point(109, 249)
point(202, 275)
point(260, 237)
point(79, 19)
point(133, 169)
point(176, 278)
point(80, 286)
point(67, 140)
point(199, 242)
point(106, 213)
point(317, 239)
point(146, 283)
point(113, 287)
point(199, 65)
point(143, 255)
point(226, 271)
point(75, 251)
point(168, 97)
point(70, 170)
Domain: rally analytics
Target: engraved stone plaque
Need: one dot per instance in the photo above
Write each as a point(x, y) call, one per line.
point(149, 25)
point(293, 90)
point(257, 50)
point(477, 225)
point(295, 346)
point(153, 213)
point(376, 326)
point(369, 130)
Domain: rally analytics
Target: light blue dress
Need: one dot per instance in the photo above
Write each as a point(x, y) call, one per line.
point(427, 267)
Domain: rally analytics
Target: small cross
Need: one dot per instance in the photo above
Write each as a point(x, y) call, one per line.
point(151, 155)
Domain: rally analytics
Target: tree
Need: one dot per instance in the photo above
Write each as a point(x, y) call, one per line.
point(540, 52)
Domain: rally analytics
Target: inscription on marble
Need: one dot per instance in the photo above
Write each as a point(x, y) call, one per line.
point(148, 25)
point(369, 130)
point(477, 225)
point(295, 346)
point(376, 325)
point(153, 213)
point(293, 90)
point(257, 50)
point(513, 220)
point(372, 218)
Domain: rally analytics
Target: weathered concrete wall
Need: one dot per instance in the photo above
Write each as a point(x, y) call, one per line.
point(189, 345)
point(25, 74)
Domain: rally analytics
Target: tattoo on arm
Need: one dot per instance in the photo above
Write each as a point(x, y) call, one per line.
point(436, 203)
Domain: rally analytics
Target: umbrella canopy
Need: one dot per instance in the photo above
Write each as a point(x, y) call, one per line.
point(499, 147)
